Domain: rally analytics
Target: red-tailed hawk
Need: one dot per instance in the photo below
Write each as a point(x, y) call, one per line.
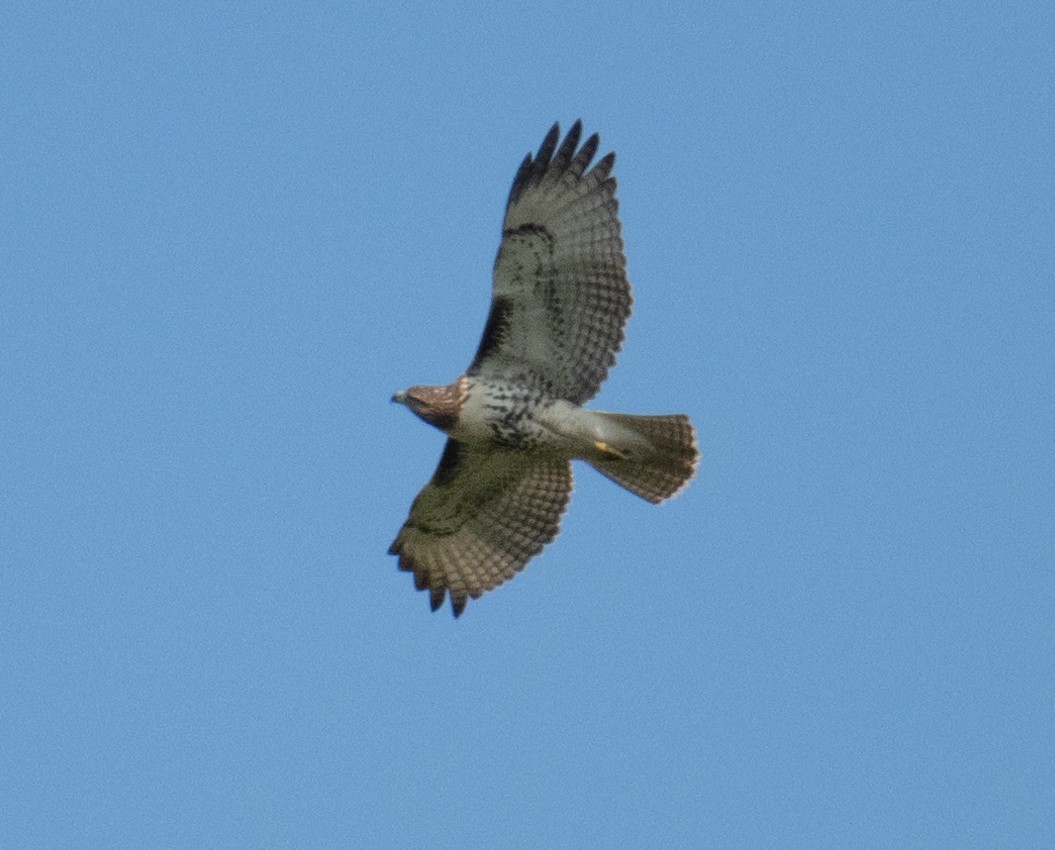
point(514, 420)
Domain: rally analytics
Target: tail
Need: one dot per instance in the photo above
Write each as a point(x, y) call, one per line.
point(652, 456)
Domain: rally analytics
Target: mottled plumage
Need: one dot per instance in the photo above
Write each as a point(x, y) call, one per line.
point(514, 420)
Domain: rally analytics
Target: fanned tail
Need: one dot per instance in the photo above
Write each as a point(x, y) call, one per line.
point(651, 456)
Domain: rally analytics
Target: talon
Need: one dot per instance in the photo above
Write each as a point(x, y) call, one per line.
point(606, 449)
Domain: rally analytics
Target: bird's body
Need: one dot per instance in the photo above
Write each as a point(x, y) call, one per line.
point(515, 419)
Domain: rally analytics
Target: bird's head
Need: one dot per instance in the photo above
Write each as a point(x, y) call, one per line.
point(438, 406)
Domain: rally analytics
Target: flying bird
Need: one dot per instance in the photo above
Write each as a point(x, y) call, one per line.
point(514, 420)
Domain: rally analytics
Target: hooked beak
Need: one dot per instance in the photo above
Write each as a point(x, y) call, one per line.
point(400, 398)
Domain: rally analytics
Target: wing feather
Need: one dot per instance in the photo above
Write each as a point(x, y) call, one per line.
point(561, 297)
point(480, 519)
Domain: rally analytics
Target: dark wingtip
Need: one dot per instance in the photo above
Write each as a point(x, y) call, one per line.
point(545, 154)
point(585, 154)
point(549, 144)
point(423, 581)
point(551, 158)
point(606, 164)
point(567, 148)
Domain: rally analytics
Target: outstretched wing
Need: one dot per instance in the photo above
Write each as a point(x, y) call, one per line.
point(561, 296)
point(483, 515)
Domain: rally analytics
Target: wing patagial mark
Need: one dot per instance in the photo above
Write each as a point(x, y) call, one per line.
point(498, 321)
point(449, 462)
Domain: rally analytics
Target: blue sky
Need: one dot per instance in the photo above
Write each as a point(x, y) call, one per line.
point(228, 232)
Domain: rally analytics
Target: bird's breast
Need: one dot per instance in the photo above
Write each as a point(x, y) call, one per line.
point(505, 415)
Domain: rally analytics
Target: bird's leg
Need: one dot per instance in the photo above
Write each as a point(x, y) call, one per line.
point(608, 451)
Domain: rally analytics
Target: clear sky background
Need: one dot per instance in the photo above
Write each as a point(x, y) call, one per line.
point(230, 231)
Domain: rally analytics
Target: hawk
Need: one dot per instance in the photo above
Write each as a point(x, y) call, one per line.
point(515, 419)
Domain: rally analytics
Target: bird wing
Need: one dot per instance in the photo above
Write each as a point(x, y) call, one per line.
point(560, 293)
point(481, 517)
